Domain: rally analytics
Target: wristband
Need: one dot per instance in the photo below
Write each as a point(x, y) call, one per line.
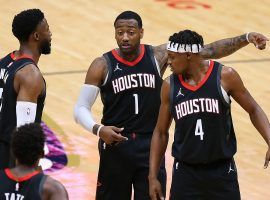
point(99, 128)
point(247, 37)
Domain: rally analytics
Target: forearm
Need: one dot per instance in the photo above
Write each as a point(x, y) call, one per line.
point(223, 48)
point(158, 147)
point(261, 123)
point(82, 108)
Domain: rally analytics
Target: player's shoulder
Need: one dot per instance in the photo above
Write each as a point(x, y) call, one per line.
point(228, 72)
point(29, 72)
point(98, 63)
point(229, 78)
point(53, 187)
point(52, 184)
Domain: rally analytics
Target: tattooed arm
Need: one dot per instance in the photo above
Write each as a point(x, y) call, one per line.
point(216, 49)
point(228, 46)
point(160, 53)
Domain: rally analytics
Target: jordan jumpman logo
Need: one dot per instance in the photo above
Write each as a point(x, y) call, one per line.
point(117, 68)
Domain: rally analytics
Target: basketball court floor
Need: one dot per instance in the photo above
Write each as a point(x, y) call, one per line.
point(83, 29)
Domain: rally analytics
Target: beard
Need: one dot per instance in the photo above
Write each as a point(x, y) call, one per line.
point(45, 47)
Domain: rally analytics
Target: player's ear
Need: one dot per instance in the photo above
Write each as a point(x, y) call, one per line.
point(36, 36)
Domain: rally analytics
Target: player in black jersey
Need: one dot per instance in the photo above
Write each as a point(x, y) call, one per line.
point(22, 87)
point(129, 80)
point(26, 181)
point(197, 97)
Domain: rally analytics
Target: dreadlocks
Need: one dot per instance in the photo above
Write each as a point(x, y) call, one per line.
point(186, 38)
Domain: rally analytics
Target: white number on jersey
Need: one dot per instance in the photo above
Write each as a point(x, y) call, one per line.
point(199, 129)
point(136, 104)
point(1, 92)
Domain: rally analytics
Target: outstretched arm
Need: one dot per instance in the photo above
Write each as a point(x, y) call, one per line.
point(159, 142)
point(226, 47)
point(218, 49)
point(233, 84)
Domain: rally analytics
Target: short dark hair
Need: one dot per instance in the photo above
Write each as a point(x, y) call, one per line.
point(27, 143)
point(25, 23)
point(129, 15)
point(187, 37)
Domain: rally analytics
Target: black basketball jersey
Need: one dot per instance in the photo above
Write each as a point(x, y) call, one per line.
point(203, 125)
point(28, 187)
point(8, 96)
point(131, 93)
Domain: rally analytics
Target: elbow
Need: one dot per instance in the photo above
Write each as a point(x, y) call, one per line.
point(161, 134)
point(254, 111)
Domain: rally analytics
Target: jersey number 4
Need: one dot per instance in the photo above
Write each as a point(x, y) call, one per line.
point(199, 129)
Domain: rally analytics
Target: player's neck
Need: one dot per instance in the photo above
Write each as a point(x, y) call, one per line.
point(22, 170)
point(196, 71)
point(29, 51)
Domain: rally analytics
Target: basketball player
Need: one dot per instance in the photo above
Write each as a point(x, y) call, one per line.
point(197, 97)
point(25, 181)
point(22, 87)
point(129, 80)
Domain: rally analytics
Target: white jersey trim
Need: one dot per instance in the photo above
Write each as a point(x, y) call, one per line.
point(225, 95)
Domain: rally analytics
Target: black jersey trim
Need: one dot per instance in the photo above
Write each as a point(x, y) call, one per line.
point(44, 91)
point(171, 92)
point(23, 65)
point(220, 66)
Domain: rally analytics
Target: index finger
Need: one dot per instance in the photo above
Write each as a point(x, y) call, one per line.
point(262, 37)
point(119, 137)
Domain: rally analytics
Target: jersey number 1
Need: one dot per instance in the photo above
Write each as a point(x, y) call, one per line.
point(136, 103)
point(199, 129)
point(1, 92)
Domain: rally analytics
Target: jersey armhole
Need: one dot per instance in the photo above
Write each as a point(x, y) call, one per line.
point(154, 60)
point(222, 93)
point(43, 93)
point(171, 91)
point(109, 72)
point(18, 68)
point(23, 65)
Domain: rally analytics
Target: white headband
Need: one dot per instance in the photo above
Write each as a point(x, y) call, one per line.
point(183, 48)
